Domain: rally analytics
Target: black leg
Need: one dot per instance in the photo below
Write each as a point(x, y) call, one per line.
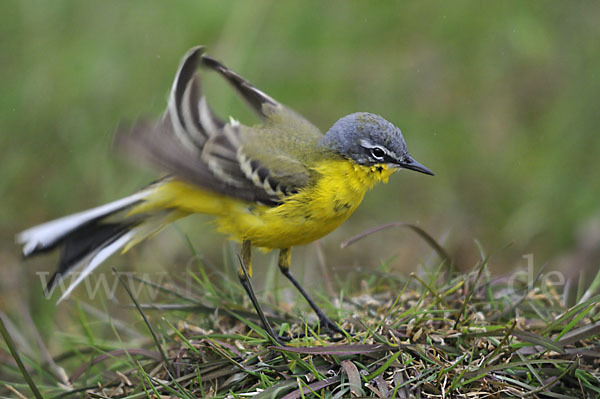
point(325, 322)
point(244, 274)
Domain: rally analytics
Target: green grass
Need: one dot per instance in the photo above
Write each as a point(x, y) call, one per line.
point(499, 99)
point(430, 333)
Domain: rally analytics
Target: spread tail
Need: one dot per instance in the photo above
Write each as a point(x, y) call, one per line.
point(88, 238)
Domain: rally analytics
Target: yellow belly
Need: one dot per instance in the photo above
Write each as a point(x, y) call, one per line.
point(304, 217)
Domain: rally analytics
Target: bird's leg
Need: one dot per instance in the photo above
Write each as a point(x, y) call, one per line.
point(285, 256)
point(244, 274)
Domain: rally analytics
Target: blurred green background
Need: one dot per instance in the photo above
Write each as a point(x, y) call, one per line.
point(500, 99)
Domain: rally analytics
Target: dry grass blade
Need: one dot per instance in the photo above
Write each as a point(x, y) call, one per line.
point(353, 377)
point(578, 334)
point(17, 393)
point(351, 349)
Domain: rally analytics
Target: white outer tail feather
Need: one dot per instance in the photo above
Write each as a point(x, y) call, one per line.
point(94, 260)
point(48, 233)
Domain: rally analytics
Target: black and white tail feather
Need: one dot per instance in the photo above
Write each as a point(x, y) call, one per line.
point(190, 143)
point(86, 239)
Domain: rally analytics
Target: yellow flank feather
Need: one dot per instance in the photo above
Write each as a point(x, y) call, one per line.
point(310, 214)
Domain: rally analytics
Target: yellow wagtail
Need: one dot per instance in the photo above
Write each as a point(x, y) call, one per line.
point(273, 186)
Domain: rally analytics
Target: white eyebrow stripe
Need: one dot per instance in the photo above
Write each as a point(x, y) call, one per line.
point(367, 144)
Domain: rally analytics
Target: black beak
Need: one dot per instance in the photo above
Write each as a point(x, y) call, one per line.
point(411, 164)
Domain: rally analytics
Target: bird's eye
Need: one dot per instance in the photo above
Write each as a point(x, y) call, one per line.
point(377, 153)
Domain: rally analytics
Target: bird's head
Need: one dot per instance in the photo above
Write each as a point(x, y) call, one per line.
point(369, 140)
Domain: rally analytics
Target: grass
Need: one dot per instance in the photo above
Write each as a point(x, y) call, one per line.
point(435, 333)
point(499, 100)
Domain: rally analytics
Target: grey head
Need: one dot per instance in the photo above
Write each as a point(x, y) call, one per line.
point(369, 139)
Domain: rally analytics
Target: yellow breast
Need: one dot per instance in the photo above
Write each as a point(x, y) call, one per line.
point(312, 213)
point(304, 217)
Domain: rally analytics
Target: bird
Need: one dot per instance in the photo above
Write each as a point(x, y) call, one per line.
point(273, 186)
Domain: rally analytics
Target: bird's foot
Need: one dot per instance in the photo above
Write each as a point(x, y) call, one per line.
point(330, 328)
point(324, 327)
point(282, 340)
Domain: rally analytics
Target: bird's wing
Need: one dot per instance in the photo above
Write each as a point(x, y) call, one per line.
point(262, 164)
